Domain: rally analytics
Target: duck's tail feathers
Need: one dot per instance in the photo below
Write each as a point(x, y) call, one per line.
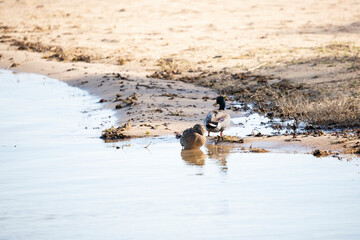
point(178, 135)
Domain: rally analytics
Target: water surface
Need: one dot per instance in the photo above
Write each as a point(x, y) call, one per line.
point(58, 180)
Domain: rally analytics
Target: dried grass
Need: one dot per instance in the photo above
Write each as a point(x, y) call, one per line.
point(168, 67)
point(58, 53)
point(339, 112)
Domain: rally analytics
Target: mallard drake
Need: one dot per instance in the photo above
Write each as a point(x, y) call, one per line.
point(193, 138)
point(217, 120)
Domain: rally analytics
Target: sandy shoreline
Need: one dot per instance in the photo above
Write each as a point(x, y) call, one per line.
point(133, 39)
point(153, 98)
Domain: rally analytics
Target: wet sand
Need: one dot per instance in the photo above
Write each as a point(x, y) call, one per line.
point(112, 50)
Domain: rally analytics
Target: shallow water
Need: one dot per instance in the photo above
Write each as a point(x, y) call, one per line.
point(58, 180)
point(254, 123)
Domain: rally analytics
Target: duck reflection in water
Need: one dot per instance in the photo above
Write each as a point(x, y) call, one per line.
point(194, 157)
point(219, 153)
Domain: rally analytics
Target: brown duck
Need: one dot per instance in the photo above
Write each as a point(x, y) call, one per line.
point(193, 138)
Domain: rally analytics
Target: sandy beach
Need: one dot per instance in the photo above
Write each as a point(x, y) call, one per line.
point(115, 49)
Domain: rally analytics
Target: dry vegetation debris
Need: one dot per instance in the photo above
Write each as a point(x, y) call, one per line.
point(126, 102)
point(76, 54)
point(321, 153)
point(169, 67)
point(257, 150)
point(355, 149)
point(116, 133)
point(227, 139)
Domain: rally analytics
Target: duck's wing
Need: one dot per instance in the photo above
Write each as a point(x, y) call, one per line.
point(208, 118)
point(187, 137)
point(226, 121)
point(220, 116)
point(209, 124)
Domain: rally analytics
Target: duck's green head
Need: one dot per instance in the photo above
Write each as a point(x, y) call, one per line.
point(221, 101)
